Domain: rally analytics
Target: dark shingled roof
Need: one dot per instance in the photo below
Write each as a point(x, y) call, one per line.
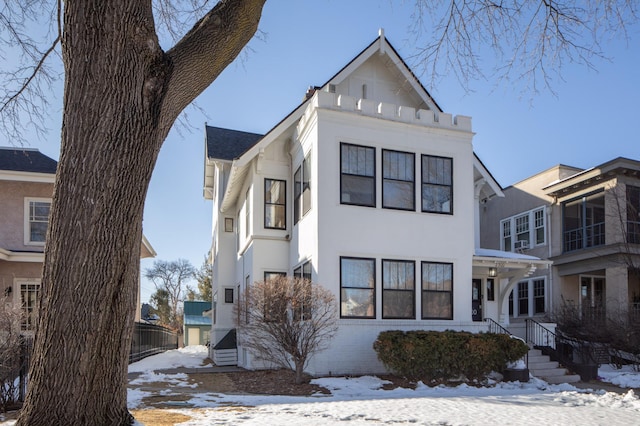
point(227, 144)
point(26, 160)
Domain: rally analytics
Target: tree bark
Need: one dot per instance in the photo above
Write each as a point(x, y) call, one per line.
point(122, 95)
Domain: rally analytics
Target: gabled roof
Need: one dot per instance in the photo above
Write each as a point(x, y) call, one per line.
point(26, 160)
point(392, 61)
point(192, 307)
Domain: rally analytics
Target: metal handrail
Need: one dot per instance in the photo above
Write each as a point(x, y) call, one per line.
point(537, 334)
point(495, 327)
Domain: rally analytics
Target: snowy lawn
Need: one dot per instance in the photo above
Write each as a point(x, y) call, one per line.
point(361, 401)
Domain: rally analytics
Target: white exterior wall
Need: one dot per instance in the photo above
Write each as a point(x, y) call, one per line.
point(347, 230)
point(331, 230)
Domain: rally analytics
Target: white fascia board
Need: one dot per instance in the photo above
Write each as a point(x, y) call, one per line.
point(495, 186)
point(509, 262)
point(239, 165)
point(27, 176)
point(383, 48)
point(12, 256)
point(148, 246)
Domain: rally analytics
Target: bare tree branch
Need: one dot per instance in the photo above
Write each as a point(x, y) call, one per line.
point(531, 40)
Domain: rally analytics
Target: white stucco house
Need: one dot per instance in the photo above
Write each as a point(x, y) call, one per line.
point(370, 189)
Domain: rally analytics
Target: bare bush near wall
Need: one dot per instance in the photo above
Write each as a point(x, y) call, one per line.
point(285, 320)
point(617, 333)
point(10, 360)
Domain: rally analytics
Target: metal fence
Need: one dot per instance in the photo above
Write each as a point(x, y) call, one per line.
point(148, 339)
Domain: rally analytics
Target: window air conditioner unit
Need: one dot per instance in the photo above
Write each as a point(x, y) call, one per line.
point(521, 245)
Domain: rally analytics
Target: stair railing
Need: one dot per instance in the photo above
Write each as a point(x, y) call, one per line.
point(496, 328)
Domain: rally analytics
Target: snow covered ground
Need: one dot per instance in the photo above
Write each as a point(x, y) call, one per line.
point(361, 401)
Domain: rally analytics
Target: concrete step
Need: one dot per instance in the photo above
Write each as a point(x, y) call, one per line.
point(535, 352)
point(544, 365)
point(556, 380)
point(549, 372)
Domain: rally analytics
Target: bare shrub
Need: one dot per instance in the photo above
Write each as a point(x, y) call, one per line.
point(285, 321)
point(10, 359)
point(614, 334)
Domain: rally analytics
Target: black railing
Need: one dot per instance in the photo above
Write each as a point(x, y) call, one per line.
point(150, 339)
point(584, 237)
point(577, 355)
point(495, 327)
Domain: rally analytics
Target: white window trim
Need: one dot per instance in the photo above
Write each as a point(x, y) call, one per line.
point(531, 298)
point(17, 298)
point(532, 229)
point(27, 222)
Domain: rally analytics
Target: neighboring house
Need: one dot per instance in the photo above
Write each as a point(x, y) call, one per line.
point(371, 190)
point(588, 223)
point(197, 322)
point(26, 188)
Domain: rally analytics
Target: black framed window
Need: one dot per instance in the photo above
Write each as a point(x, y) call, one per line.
point(491, 293)
point(306, 184)
point(297, 195)
point(303, 271)
point(304, 312)
point(523, 298)
point(302, 189)
point(357, 175)
point(228, 295)
point(275, 203)
point(437, 184)
point(398, 289)
point(538, 296)
point(398, 180)
point(437, 290)
point(357, 287)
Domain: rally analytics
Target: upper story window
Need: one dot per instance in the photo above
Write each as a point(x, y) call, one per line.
point(36, 220)
point(529, 229)
point(584, 222)
point(398, 180)
point(437, 184)
point(275, 204)
point(302, 189)
point(633, 214)
point(357, 287)
point(247, 213)
point(357, 175)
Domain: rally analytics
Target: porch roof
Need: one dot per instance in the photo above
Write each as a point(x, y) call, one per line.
point(505, 259)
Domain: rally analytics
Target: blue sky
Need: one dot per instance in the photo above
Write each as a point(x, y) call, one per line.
point(592, 118)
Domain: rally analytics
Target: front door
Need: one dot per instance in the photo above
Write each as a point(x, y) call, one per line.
point(476, 300)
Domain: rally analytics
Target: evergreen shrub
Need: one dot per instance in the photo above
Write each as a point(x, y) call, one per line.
point(440, 356)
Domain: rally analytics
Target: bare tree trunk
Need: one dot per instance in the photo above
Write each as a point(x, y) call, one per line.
point(117, 113)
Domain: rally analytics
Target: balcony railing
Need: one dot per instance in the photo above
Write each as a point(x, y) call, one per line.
point(585, 237)
point(633, 232)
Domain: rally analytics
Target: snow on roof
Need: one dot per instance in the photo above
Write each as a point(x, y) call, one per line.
point(483, 252)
